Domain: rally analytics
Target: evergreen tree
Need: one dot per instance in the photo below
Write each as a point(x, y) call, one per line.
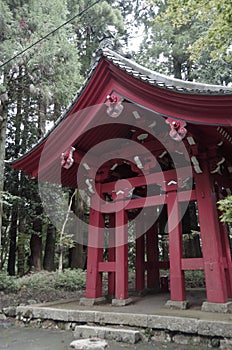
point(167, 48)
point(216, 38)
point(40, 84)
point(100, 20)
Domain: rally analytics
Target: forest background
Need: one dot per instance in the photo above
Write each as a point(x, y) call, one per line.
point(189, 40)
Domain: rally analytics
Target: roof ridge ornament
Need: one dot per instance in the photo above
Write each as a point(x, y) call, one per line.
point(108, 42)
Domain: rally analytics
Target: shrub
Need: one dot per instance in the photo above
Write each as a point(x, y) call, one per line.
point(8, 283)
point(40, 280)
point(225, 205)
point(71, 279)
point(194, 279)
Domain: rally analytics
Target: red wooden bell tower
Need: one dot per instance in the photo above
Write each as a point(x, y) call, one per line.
point(177, 149)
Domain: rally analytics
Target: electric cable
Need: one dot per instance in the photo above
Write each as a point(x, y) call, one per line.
point(50, 33)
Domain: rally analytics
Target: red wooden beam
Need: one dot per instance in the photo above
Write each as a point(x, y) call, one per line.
point(146, 202)
point(149, 179)
point(107, 266)
point(186, 196)
point(192, 264)
point(136, 203)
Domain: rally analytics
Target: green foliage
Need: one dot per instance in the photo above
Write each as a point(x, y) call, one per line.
point(216, 13)
point(225, 206)
point(66, 241)
point(38, 281)
point(93, 26)
point(8, 283)
point(169, 45)
point(194, 279)
point(149, 333)
point(40, 85)
point(71, 279)
point(8, 199)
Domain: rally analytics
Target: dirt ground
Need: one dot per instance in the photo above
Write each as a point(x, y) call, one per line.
point(26, 297)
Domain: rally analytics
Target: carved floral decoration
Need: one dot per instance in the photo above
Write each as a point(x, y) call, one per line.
point(67, 158)
point(115, 106)
point(178, 130)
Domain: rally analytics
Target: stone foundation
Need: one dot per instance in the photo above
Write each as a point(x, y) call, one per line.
point(152, 328)
point(121, 302)
point(181, 305)
point(92, 301)
point(217, 307)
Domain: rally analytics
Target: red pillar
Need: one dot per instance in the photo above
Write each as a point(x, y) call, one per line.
point(95, 253)
point(177, 283)
point(111, 254)
point(216, 288)
point(152, 251)
point(227, 254)
point(139, 258)
point(121, 243)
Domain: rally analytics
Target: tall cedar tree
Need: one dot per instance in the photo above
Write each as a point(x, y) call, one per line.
point(40, 85)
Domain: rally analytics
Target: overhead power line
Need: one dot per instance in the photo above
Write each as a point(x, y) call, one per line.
point(50, 33)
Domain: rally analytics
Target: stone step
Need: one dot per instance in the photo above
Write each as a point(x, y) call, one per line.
point(118, 334)
point(89, 344)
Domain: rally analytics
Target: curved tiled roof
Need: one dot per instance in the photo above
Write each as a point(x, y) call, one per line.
point(181, 98)
point(148, 76)
point(160, 80)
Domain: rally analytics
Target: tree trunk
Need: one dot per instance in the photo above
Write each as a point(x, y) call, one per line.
point(3, 123)
point(76, 259)
point(60, 266)
point(35, 257)
point(3, 116)
point(15, 174)
point(49, 253)
point(13, 240)
point(36, 241)
point(21, 254)
point(42, 119)
point(177, 68)
point(191, 246)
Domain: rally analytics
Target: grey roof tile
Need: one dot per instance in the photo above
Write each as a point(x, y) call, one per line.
point(160, 80)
